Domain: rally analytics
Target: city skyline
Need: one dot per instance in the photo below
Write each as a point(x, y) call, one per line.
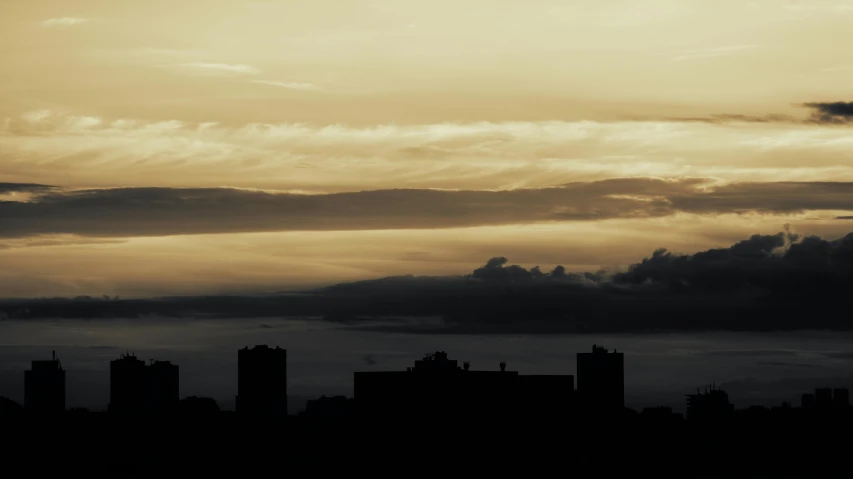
point(435, 384)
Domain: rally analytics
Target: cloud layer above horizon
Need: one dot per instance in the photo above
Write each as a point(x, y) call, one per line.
point(775, 282)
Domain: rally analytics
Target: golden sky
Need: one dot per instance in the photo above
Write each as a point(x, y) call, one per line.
point(678, 124)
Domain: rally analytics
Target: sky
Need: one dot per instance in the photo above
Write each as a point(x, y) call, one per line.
point(209, 146)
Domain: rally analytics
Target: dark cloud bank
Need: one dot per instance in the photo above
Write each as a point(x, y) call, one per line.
point(775, 282)
point(838, 112)
point(822, 113)
point(23, 188)
point(124, 212)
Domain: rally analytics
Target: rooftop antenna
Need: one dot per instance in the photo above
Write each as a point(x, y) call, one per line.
point(503, 365)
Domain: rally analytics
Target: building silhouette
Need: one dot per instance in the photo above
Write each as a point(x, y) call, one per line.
point(827, 398)
point(163, 388)
point(329, 408)
point(44, 386)
point(137, 388)
point(9, 408)
point(262, 381)
point(841, 397)
point(823, 398)
point(712, 404)
point(198, 406)
point(601, 380)
point(437, 387)
point(660, 413)
point(127, 385)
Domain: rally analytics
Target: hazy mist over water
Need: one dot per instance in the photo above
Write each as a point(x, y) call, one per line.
point(755, 368)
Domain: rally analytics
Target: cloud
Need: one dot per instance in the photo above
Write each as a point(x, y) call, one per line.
point(840, 355)
point(288, 85)
point(37, 116)
point(832, 8)
point(222, 68)
point(838, 68)
point(21, 191)
point(77, 150)
point(714, 52)
point(157, 211)
point(751, 352)
point(838, 112)
point(768, 197)
point(777, 267)
point(55, 240)
point(772, 282)
point(785, 364)
point(165, 211)
point(64, 22)
point(724, 118)
point(124, 212)
point(763, 283)
point(23, 187)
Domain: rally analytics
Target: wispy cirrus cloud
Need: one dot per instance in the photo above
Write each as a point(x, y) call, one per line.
point(63, 21)
point(288, 85)
point(56, 148)
point(828, 8)
point(838, 69)
point(36, 116)
point(232, 68)
point(713, 52)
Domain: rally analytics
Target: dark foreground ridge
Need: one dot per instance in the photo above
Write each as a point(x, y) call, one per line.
point(436, 414)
